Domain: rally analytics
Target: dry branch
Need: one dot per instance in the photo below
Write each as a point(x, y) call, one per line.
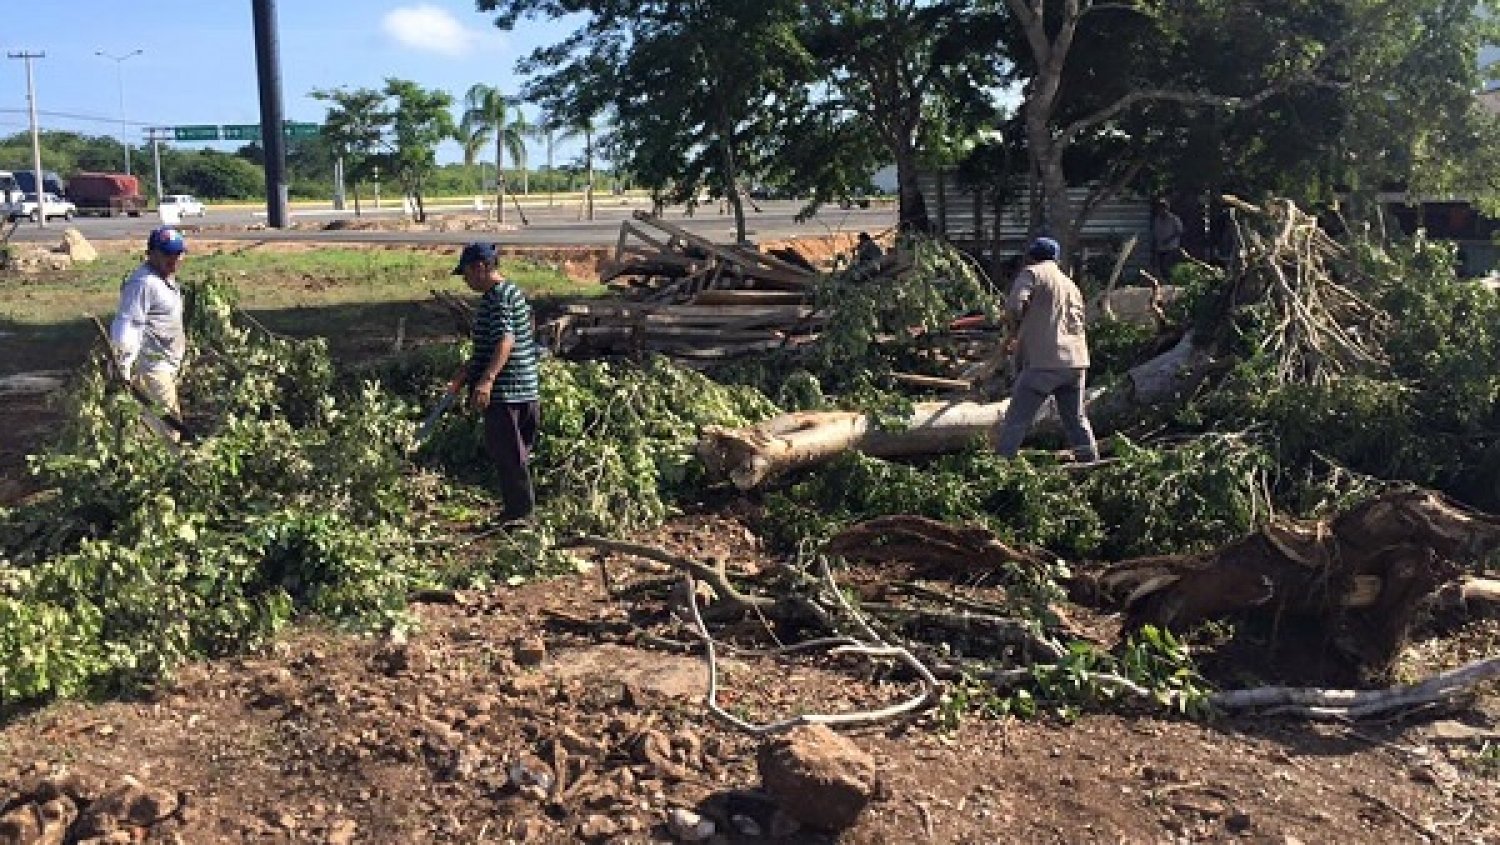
point(1313, 703)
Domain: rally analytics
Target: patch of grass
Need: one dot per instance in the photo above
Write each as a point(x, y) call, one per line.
point(269, 280)
point(354, 297)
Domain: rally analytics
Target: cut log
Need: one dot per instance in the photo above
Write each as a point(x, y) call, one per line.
point(750, 456)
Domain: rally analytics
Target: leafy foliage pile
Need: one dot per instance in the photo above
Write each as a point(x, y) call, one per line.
point(296, 498)
point(615, 450)
point(1149, 501)
point(1428, 415)
point(136, 559)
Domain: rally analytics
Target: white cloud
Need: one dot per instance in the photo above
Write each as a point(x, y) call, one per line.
point(435, 30)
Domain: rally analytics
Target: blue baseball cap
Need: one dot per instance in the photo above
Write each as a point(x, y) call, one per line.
point(167, 240)
point(1044, 248)
point(473, 253)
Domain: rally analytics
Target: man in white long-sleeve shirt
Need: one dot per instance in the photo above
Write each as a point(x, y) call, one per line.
point(148, 334)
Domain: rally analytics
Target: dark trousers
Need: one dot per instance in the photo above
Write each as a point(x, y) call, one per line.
point(510, 430)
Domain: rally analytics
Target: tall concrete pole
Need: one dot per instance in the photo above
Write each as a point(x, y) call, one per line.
point(156, 161)
point(268, 67)
point(36, 138)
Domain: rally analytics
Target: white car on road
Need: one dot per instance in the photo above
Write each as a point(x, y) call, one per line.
point(52, 206)
point(186, 205)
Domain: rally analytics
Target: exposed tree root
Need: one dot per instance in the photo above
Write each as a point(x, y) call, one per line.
point(1361, 577)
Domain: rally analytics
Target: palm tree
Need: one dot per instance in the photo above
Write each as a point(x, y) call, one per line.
point(585, 126)
point(553, 130)
point(485, 106)
point(472, 138)
point(524, 130)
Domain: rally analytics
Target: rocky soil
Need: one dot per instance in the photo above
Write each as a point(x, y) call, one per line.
point(534, 715)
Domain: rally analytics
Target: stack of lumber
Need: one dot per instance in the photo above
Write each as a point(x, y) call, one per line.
point(701, 332)
point(656, 261)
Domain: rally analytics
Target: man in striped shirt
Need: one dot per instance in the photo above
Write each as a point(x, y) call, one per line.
point(502, 376)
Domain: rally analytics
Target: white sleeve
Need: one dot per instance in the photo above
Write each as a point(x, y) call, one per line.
point(1020, 292)
point(126, 331)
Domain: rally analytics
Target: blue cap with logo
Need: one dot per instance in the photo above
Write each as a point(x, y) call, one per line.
point(1044, 248)
point(472, 253)
point(167, 240)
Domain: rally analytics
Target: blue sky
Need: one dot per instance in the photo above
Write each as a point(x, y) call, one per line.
point(198, 64)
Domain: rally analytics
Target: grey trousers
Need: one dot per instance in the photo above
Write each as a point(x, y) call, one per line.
point(1026, 398)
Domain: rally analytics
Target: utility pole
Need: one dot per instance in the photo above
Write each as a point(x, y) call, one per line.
point(120, 77)
point(268, 69)
point(36, 137)
point(155, 135)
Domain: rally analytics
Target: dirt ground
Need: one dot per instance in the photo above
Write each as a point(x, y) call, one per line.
point(534, 714)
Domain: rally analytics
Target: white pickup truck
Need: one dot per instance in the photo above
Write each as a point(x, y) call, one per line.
point(52, 206)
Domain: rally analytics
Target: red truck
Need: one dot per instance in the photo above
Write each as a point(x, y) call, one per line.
point(107, 194)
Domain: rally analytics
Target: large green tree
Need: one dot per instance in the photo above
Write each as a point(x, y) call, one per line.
point(421, 119)
point(355, 124)
point(905, 71)
point(687, 83)
point(216, 175)
point(1294, 96)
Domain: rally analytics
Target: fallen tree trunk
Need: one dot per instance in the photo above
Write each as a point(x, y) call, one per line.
point(751, 456)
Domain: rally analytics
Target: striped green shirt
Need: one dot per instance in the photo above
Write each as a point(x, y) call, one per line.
point(503, 310)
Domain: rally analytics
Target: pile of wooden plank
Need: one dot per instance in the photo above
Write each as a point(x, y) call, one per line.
point(687, 297)
point(703, 332)
point(655, 261)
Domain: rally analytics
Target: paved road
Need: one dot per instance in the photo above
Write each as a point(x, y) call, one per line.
point(556, 225)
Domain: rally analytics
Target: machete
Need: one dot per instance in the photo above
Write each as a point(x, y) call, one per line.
point(167, 428)
point(434, 415)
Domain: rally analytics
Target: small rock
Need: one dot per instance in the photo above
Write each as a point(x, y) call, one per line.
point(1238, 822)
point(78, 248)
point(818, 777)
point(597, 827)
point(530, 651)
point(688, 826)
point(530, 770)
point(20, 825)
point(342, 832)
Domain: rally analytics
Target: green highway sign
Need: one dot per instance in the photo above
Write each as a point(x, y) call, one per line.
point(195, 133)
point(242, 131)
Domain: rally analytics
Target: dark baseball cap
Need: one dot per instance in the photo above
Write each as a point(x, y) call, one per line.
point(473, 253)
point(166, 239)
point(1046, 249)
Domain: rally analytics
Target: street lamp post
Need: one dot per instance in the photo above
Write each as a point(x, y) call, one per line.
point(120, 77)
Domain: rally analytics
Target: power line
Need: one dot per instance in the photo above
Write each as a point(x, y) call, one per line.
point(77, 116)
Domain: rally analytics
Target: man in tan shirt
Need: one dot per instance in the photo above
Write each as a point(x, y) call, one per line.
point(1053, 353)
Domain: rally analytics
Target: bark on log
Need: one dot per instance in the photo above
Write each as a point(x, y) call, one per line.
point(751, 456)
